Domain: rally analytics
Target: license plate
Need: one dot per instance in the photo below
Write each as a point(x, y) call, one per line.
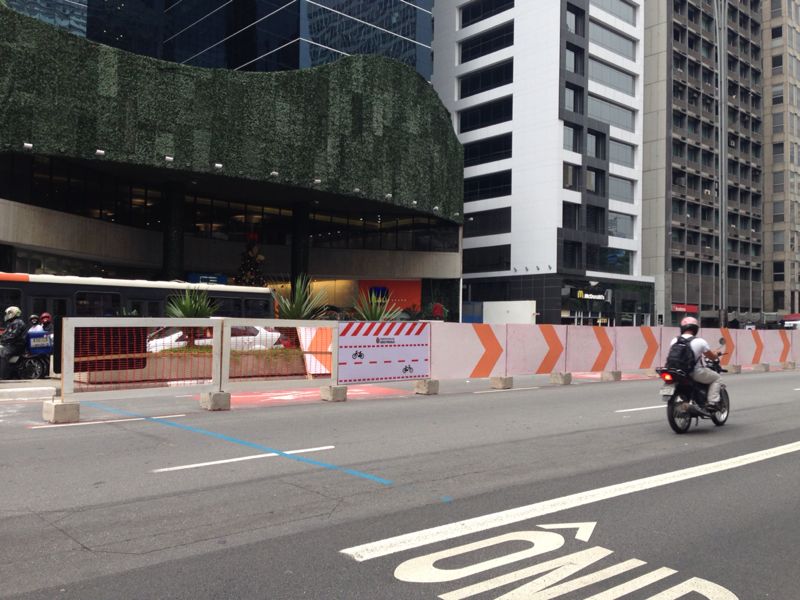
point(667, 391)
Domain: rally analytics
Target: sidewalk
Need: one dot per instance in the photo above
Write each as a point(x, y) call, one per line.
point(29, 389)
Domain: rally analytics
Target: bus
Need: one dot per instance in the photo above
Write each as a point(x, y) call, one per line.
point(67, 296)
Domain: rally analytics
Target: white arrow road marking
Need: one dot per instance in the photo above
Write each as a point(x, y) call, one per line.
point(240, 459)
point(424, 537)
point(627, 410)
point(585, 530)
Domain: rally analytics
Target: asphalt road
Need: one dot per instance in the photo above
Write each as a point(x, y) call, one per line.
point(527, 494)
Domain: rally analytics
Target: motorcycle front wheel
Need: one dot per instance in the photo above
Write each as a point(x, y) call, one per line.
point(679, 420)
point(32, 369)
point(723, 410)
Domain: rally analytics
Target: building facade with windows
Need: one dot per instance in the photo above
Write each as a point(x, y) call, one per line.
point(683, 225)
point(781, 41)
point(250, 35)
point(547, 99)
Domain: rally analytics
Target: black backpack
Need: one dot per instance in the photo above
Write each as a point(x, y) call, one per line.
point(681, 357)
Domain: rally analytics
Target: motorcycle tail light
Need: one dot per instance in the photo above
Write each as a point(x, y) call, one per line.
point(667, 377)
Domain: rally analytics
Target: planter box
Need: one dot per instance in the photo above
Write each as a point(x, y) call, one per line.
point(158, 367)
point(284, 362)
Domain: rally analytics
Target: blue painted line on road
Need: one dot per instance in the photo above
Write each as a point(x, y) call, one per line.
point(233, 440)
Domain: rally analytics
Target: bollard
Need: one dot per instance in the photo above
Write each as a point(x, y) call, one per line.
point(55, 411)
point(761, 368)
point(789, 366)
point(215, 401)
point(560, 378)
point(734, 369)
point(502, 383)
point(426, 387)
point(334, 393)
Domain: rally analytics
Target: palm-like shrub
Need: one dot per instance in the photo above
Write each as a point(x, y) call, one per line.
point(191, 304)
point(302, 303)
point(372, 307)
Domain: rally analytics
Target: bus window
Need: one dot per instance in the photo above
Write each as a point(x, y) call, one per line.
point(38, 305)
point(228, 307)
point(258, 309)
point(9, 297)
point(55, 306)
point(97, 304)
point(136, 308)
point(154, 309)
point(59, 307)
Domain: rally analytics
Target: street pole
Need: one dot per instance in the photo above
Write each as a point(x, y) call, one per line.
point(721, 30)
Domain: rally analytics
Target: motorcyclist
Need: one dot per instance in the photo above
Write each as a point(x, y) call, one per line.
point(46, 321)
point(701, 374)
point(34, 324)
point(12, 340)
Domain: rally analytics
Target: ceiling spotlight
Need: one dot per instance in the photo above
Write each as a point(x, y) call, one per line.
point(435, 208)
point(471, 219)
point(218, 166)
point(317, 181)
point(27, 145)
point(413, 202)
point(99, 152)
point(169, 158)
point(357, 190)
point(274, 174)
point(456, 214)
point(388, 196)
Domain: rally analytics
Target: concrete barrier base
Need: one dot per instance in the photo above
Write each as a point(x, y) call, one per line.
point(426, 387)
point(611, 376)
point(54, 411)
point(502, 383)
point(215, 401)
point(561, 378)
point(733, 369)
point(334, 393)
point(789, 366)
point(761, 368)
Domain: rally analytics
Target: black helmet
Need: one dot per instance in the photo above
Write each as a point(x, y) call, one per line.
point(33, 319)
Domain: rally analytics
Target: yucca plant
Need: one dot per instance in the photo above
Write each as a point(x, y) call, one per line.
point(191, 304)
point(302, 303)
point(372, 307)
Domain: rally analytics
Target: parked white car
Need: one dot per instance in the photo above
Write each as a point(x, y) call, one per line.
point(242, 338)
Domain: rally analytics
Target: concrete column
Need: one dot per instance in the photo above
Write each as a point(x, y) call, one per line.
point(173, 217)
point(301, 248)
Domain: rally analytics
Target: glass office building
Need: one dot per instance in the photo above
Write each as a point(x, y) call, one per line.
point(251, 35)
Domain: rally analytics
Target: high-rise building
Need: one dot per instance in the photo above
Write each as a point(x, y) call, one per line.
point(781, 25)
point(252, 35)
point(683, 226)
point(547, 99)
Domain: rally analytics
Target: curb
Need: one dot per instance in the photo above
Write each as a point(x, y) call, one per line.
point(27, 393)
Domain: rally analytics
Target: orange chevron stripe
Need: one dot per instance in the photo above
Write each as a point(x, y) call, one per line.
point(759, 347)
point(320, 347)
point(729, 346)
point(555, 349)
point(606, 349)
point(492, 351)
point(652, 348)
point(787, 346)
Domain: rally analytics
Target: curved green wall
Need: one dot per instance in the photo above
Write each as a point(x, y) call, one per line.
point(363, 122)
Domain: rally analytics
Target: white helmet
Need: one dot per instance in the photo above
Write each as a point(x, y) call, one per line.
point(12, 312)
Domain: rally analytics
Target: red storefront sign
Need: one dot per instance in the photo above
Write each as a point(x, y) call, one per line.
point(685, 308)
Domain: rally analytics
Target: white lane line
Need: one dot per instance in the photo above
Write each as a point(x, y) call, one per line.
point(424, 537)
point(638, 409)
point(241, 458)
point(103, 422)
point(508, 390)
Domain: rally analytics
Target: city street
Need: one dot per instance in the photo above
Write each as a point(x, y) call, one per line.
point(513, 492)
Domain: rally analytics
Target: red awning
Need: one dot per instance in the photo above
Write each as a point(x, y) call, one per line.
point(792, 317)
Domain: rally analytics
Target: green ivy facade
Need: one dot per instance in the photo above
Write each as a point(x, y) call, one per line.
point(364, 122)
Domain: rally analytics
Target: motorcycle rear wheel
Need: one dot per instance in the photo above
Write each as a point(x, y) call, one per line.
point(32, 369)
point(679, 421)
point(723, 410)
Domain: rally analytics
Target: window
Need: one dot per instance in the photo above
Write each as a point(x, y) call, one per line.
point(778, 181)
point(612, 77)
point(487, 150)
point(481, 10)
point(613, 114)
point(575, 20)
point(596, 219)
point(487, 79)
point(573, 60)
point(621, 153)
point(573, 99)
point(572, 255)
point(571, 177)
point(570, 215)
point(620, 225)
point(611, 40)
point(484, 115)
point(491, 258)
point(618, 8)
point(482, 187)
point(487, 42)
point(778, 241)
point(572, 138)
point(621, 189)
point(488, 222)
point(777, 152)
point(778, 271)
point(97, 304)
point(595, 182)
point(777, 94)
point(777, 64)
point(609, 260)
point(595, 145)
point(778, 300)
point(777, 212)
point(777, 122)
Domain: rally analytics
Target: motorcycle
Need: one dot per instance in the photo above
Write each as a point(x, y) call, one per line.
point(686, 399)
point(34, 363)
